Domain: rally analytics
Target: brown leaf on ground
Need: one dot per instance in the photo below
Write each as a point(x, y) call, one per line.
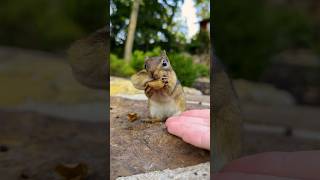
point(132, 117)
point(72, 171)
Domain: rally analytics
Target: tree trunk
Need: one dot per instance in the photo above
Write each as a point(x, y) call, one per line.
point(131, 30)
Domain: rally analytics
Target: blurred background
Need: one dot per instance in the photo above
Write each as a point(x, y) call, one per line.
point(140, 28)
point(49, 25)
point(48, 119)
point(271, 50)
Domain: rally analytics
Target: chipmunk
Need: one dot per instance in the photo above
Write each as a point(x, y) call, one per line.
point(164, 91)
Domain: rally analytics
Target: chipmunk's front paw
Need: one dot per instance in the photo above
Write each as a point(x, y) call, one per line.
point(148, 91)
point(153, 120)
point(165, 80)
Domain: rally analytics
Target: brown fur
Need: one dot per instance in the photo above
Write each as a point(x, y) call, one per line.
point(161, 86)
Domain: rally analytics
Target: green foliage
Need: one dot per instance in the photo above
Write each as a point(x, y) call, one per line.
point(137, 61)
point(248, 33)
point(155, 25)
point(183, 65)
point(202, 70)
point(138, 57)
point(118, 67)
point(200, 43)
point(47, 24)
point(184, 68)
point(203, 8)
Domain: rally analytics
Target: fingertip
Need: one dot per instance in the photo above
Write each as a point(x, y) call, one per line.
point(198, 136)
point(171, 120)
point(175, 128)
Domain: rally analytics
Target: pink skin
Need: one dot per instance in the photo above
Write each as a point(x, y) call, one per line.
point(194, 127)
point(274, 166)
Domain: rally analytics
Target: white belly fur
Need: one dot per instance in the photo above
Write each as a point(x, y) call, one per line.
point(163, 109)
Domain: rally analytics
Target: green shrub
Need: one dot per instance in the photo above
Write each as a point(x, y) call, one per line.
point(137, 61)
point(184, 68)
point(200, 43)
point(118, 67)
point(183, 65)
point(202, 70)
point(138, 57)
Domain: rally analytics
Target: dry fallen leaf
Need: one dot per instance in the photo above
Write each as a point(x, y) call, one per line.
point(72, 171)
point(3, 148)
point(132, 117)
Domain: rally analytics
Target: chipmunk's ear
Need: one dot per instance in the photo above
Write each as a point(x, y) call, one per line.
point(146, 58)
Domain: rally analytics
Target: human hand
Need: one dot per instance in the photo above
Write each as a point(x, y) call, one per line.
point(273, 166)
point(192, 126)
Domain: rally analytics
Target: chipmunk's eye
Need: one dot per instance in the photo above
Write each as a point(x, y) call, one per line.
point(145, 66)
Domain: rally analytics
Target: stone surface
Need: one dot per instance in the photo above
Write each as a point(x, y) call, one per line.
point(191, 91)
point(261, 93)
point(139, 147)
point(297, 117)
point(298, 72)
point(203, 84)
point(258, 142)
point(73, 132)
point(122, 86)
point(280, 128)
point(202, 59)
point(198, 172)
point(27, 81)
point(36, 143)
point(91, 111)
